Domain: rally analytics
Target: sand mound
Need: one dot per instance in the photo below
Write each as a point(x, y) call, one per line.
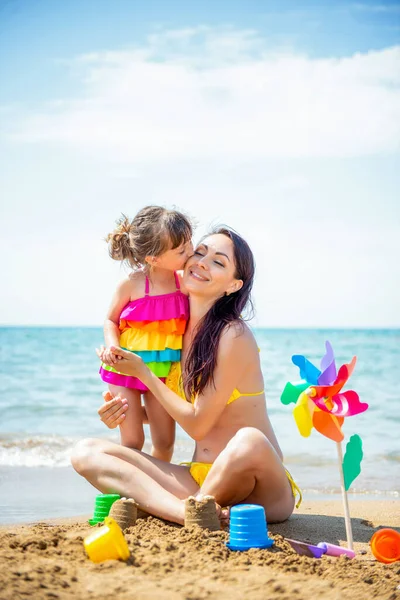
point(170, 562)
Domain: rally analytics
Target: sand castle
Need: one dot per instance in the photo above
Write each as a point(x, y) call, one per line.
point(124, 512)
point(201, 512)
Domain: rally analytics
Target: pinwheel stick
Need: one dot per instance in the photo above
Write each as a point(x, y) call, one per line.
point(320, 403)
point(347, 520)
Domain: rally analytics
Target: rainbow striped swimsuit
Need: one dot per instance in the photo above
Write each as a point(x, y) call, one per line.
point(152, 327)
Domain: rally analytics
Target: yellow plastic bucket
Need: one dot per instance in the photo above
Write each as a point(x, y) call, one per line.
point(107, 543)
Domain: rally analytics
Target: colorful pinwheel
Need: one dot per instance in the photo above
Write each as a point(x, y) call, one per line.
point(320, 403)
point(318, 397)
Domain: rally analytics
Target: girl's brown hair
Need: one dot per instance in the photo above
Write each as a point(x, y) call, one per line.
point(152, 232)
point(202, 357)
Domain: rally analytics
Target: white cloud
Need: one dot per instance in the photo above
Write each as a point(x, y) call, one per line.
point(229, 130)
point(201, 93)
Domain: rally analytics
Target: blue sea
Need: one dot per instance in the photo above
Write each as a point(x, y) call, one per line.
point(51, 391)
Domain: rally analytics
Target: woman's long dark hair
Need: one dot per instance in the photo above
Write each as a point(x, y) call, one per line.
point(202, 358)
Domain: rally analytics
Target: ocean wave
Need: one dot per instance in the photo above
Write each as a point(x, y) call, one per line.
point(308, 469)
point(55, 451)
point(38, 451)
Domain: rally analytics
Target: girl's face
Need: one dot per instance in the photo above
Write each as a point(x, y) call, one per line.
point(211, 270)
point(173, 260)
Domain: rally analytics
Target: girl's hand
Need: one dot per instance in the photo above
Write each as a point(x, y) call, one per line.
point(112, 412)
point(127, 363)
point(106, 356)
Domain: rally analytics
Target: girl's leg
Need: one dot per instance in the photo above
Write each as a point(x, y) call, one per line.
point(162, 428)
point(158, 487)
point(249, 470)
point(131, 428)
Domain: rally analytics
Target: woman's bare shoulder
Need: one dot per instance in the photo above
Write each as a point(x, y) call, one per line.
point(237, 352)
point(238, 334)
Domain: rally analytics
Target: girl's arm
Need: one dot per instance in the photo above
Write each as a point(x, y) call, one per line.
point(199, 418)
point(121, 297)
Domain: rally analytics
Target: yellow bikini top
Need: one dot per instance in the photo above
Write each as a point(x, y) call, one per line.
point(174, 382)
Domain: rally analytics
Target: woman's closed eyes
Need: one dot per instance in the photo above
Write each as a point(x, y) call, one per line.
point(217, 262)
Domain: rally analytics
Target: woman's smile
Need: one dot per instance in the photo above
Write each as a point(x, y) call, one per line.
point(197, 276)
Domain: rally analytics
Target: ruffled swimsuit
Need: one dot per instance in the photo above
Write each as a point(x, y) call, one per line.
point(151, 327)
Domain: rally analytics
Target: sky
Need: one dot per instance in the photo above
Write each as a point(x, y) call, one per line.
point(278, 118)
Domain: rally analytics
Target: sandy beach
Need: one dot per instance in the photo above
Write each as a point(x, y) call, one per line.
point(47, 560)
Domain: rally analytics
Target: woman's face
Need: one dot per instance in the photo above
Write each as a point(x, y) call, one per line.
point(211, 270)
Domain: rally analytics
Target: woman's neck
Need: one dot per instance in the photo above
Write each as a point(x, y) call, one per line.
point(198, 308)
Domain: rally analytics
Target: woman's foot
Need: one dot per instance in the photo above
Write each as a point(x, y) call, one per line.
point(223, 515)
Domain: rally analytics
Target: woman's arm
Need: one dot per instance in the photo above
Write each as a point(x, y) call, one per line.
point(199, 418)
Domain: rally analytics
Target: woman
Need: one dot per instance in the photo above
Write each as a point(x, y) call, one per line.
point(237, 456)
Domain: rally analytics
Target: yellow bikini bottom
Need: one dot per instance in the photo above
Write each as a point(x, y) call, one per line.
point(199, 472)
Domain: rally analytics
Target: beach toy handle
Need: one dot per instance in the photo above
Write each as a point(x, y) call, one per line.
point(332, 550)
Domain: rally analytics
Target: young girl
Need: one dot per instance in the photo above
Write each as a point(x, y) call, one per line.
point(148, 315)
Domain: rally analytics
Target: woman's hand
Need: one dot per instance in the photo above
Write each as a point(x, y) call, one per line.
point(127, 363)
point(112, 412)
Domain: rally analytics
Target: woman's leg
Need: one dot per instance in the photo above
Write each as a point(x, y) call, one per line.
point(131, 428)
point(249, 470)
point(162, 428)
point(157, 486)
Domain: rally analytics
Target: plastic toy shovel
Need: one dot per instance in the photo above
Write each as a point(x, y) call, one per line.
point(320, 549)
point(306, 549)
